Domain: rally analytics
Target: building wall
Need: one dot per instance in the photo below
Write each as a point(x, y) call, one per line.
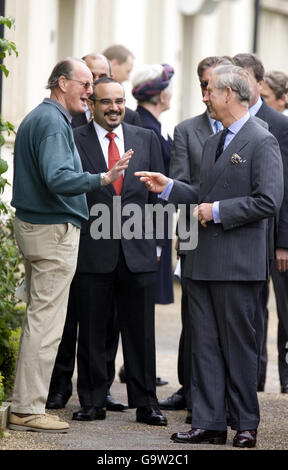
point(178, 32)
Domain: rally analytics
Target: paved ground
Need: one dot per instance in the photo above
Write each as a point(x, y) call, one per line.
point(120, 432)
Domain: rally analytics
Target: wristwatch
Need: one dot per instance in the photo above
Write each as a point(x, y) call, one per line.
point(103, 180)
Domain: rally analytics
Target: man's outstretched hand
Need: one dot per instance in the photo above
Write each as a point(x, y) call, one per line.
point(154, 182)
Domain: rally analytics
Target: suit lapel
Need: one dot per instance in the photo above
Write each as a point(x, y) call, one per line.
point(211, 170)
point(203, 130)
point(131, 142)
point(91, 148)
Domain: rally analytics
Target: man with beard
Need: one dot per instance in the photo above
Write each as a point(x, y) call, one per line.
point(114, 270)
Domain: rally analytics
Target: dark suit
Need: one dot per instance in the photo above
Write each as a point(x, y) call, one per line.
point(118, 272)
point(189, 138)
point(278, 126)
point(225, 274)
point(131, 117)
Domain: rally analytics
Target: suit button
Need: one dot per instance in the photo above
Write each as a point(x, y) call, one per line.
point(215, 234)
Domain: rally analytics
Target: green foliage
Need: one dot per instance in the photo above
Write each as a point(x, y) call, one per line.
point(11, 313)
point(10, 261)
point(6, 47)
point(8, 366)
point(2, 392)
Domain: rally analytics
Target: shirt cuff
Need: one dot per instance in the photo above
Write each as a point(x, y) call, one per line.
point(216, 213)
point(166, 192)
point(158, 251)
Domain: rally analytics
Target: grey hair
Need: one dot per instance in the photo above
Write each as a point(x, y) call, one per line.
point(236, 78)
point(63, 68)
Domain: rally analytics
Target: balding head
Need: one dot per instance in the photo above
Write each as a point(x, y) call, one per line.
point(98, 64)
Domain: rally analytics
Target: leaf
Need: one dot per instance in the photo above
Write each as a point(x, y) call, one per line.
point(3, 166)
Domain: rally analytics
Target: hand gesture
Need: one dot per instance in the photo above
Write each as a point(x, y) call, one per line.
point(122, 164)
point(154, 182)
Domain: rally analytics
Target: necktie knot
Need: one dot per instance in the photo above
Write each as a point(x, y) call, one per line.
point(111, 135)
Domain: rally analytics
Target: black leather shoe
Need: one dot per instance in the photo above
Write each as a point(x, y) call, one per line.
point(175, 402)
point(89, 413)
point(197, 436)
point(114, 405)
point(150, 415)
point(56, 401)
point(188, 419)
point(284, 388)
point(160, 382)
point(245, 438)
point(122, 377)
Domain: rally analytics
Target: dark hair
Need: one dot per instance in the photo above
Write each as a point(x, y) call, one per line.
point(250, 61)
point(212, 61)
point(102, 80)
point(63, 68)
point(118, 52)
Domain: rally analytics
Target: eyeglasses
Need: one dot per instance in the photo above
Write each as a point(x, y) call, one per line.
point(204, 83)
point(85, 85)
point(108, 102)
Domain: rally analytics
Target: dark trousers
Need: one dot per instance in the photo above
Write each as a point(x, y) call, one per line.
point(133, 296)
point(280, 283)
point(224, 354)
point(184, 349)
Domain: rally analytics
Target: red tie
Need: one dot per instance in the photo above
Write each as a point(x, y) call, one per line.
point(113, 157)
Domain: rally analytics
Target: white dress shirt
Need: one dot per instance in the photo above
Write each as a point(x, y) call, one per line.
point(104, 141)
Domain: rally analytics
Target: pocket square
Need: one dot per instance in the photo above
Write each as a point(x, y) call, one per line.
point(237, 159)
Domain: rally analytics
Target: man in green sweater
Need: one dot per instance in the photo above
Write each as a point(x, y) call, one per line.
point(49, 197)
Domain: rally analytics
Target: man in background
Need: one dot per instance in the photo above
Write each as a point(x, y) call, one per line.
point(278, 126)
point(122, 62)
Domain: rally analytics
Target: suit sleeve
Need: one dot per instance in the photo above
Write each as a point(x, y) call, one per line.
point(180, 162)
point(282, 229)
point(266, 188)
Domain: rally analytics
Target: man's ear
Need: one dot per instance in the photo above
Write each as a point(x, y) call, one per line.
point(62, 82)
point(229, 93)
point(260, 84)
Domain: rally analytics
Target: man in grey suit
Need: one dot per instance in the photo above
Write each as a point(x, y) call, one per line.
point(189, 138)
point(225, 273)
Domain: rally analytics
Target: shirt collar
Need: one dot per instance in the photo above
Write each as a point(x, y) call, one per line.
point(236, 126)
point(255, 108)
point(60, 107)
point(101, 132)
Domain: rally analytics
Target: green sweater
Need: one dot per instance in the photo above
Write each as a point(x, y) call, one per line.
point(49, 183)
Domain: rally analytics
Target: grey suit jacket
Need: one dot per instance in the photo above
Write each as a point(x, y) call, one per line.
point(189, 138)
point(249, 192)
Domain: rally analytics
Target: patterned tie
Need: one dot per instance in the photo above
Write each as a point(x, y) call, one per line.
point(113, 157)
point(221, 143)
